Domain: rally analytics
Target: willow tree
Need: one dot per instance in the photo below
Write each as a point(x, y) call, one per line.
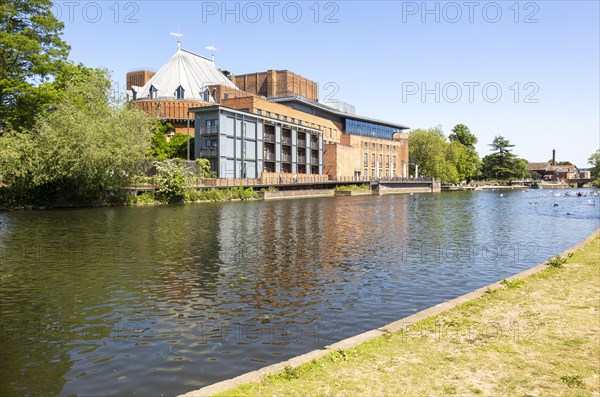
point(87, 146)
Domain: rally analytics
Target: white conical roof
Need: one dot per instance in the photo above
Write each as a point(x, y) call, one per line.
point(191, 71)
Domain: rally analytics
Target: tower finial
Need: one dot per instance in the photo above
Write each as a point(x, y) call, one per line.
point(212, 49)
point(178, 34)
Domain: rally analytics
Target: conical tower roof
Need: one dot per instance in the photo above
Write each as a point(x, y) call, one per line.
point(192, 72)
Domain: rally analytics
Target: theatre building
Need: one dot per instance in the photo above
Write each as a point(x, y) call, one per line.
point(269, 121)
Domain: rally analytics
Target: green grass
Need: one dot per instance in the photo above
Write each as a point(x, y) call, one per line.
point(352, 188)
point(537, 336)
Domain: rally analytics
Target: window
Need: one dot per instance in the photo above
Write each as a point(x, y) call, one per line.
point(366, 145)
point(387, 161)
point(380, 160)
point(380, 147)
point(276, 116)
point(259, 112)
point(387, 148)
point(366, 160)
point(268, 114)
point(394, 161)
point(153, 92)
point(225, 96)
point(293, 120)
point(373, 159)
point(299, 122)
point(373, 147)
point(284, 118)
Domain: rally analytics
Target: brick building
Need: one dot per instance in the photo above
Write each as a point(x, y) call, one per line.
point(267, 122)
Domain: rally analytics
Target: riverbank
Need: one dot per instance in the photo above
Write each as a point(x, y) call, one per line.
point(534, 334)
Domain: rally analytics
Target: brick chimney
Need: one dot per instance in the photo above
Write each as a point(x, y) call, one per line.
point(553, 156)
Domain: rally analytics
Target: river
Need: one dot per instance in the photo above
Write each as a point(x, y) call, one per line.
point(161, 300)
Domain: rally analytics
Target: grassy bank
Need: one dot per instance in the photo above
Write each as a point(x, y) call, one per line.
point(536, 336)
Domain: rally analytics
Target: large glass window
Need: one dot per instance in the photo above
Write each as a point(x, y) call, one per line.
point(364, 128)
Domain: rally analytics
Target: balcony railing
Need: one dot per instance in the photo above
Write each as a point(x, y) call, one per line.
point(209, 152)
point(213, 130)
point(314, 160)
point(301, 143)
point(314, 145)
point(269, 137)
point(286, 140)
point(286, 157)
point(269, 156)
point(301, 159)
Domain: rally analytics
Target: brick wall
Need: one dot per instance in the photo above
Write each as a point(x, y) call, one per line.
point(138, 78)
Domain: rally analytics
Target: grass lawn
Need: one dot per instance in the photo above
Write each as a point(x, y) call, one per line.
point(537, 337)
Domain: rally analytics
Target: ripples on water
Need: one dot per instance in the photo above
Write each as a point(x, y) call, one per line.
point(166, 299)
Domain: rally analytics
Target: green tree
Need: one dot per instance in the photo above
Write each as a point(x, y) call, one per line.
point(79, 151)
point(594, 161)
point(462, 134)
point(503, 165)
point(177, 147)
point(204, 169)
point(173, 180)
point(467, 162)
point(430, 150)
point(32, 54)
point(158, 143)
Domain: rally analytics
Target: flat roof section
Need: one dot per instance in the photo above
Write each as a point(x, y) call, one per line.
point(333, 112)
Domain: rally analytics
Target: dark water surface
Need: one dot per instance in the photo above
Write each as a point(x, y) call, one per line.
point(162, 300)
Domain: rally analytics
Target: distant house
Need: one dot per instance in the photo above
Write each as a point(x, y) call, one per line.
point(585, 173)
point(562, 172)
point(539, 170)
point(548, 172)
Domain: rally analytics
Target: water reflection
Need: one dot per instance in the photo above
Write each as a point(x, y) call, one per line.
point(166, 299)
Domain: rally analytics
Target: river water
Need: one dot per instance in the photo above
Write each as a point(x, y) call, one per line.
point(161, 300)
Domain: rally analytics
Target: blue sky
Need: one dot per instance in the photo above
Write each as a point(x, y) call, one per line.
point(526, 70)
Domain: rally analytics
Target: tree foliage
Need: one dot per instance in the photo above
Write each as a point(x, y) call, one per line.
point(594, 161)
point(77, 152)
point(32, 55)
point(175, 148)
point(451, 162)
point(463, 135)
point(173, 180)
point(503, 164)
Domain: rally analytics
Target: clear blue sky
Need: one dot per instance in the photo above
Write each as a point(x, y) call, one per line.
point(381, 56)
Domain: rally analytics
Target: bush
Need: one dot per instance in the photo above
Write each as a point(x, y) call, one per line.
point(172, 181)
point(145, 198)
point(351, 188)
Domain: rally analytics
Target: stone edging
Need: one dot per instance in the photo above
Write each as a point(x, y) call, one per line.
point(353, 341)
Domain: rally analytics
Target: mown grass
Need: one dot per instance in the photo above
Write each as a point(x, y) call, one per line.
point(537, 336)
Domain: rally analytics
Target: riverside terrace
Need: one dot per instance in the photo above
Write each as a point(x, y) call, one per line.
point(301, 182)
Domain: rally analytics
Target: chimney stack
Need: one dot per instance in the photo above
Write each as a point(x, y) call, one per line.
point(553, 156)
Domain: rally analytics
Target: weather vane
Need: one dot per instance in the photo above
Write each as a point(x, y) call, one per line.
point(178, 34)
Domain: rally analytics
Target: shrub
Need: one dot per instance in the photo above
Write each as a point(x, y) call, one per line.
point(350, 188)
point(172, 181)
point(146, 197)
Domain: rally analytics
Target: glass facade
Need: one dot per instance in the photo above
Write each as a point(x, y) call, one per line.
point(373, 130)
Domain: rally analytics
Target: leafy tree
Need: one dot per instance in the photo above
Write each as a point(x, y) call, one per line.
point(503, 164)
point(172, 180)
point(594, 161)
point(177, 147)
point(427, 149)
point(158, 144)
point(502, 145)
point(462, 134)
point(205, 170)
point(32, 54)
point(78, 152)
